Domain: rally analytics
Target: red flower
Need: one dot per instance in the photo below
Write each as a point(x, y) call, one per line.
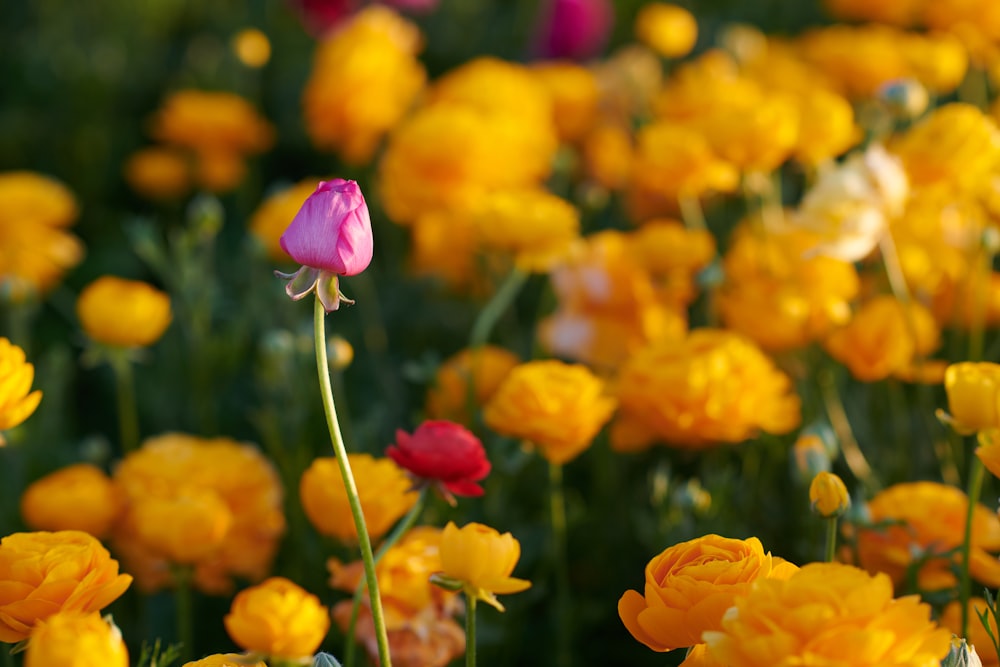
point(445, 454)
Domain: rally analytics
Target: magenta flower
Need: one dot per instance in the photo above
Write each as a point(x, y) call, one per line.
point(331, 236)
point(444, 454)
point(574, 29)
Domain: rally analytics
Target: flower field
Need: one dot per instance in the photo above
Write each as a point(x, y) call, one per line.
point(440, 332)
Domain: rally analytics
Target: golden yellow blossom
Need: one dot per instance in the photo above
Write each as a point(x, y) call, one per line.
point(123, 313)
point(926, 521)
point(44, 573)
point(209, 122)
point(184, 528)
point(988, 450)
point(831, 614)
point(884, 338)
point(668, 29)
point(712, 387)
point(174, 464)
point(274, 214)
point(673, 160)
point(690, 585)
point(673, 254)
point(558, 407)
point(973, 396)
point(607, 155)
point(277, 618)
point(158, 173)
point(575, 96)
point(481, 559)
point(80, 639)
point(828, 495)
point(227, 660)
point(365, 76)
point(17, 401)
point(35, 249)
point(383, 488)
point(444, 246)
point(77, 497)
point(252, 47)
point(484, 367)
point(826, 126)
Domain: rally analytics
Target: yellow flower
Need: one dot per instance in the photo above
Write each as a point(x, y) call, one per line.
point(669, 30)
point(252, 47)
point(884, 338)
point(575, 96)
point(44, 573)
point(608, 154)
point(171, 466)
point(830, 614)
point(485, 367)
point(482, 560)
point(826, 126)
point(123, 313)
point(35, 249)
point(384, 489)
point(444, 246)
point(219, 170)
point(212, 122)
point(674, 160)
point(534, 225)
point(184, 528)
point(227, 660)
point(556, 406)
point(158, 173)
point(17, 401)
point(673, 255)
point(77, 497)
point(277, 618)
point(926, 521)
point(690, 585)
point(828, 495)
point(951, 618)
point(76, 639)
point(988, 450)
point(756, 132)
point(973, 396)
point(777, 295)
point(273, 215)
point(364, 78)
point(712, 387)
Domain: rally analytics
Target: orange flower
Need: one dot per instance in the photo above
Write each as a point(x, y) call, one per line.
point(482, 560)
point(556, 406)
point(830, 614)
point(574, 92)
point(44, 573)
point(277, 618)
point(77, 497)
point(80, 639)
point(184, 528)
point(17, 401)
point(123, 313)
point(158, 173)
point(212, 122)
point(926, 521)
point(669, 30)
point(690, 585)
point(712, 387)
point(384, 489)
point(484, 367)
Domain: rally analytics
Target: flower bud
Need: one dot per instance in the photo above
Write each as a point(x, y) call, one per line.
point(324, 659)
point(828, 495)
point(973, 396)
point(339, 353)
point(961, 654)
point(904, 98)
point(668, 29)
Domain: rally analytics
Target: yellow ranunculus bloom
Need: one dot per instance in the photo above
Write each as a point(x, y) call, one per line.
point(252, 47)
point(690, 585)
point(575, 96)
point(988, 450)
point(830, 614)
point(674, 160)
point(926, 520)
point(212, 122)
point(556, 406)
point(608, 155)
point(158, 173)
point(828, 495)
point(484, 367)
point(63, 571)
point(123, 313)
point(77, 497)
point(668, 29)
point(184, 528)
point(271, 218)
point(278, 618)
point(17, 401)
point(483, 560)
point(384, 489)
point(973, 390)
point(80, 639)
point(712, 387)
point(227, 660)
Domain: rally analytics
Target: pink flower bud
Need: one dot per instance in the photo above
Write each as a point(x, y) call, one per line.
point(332, 231)
point(574, 29)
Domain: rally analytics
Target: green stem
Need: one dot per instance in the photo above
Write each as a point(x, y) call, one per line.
point(831, 539)
point(965, 582)
point(401, 528)
point(495, 308)
point(128, 416)
point(470, 630)
point(557, 503)
point(691, 212)
point(184, 594)
point(837, 415)
point(322, 365)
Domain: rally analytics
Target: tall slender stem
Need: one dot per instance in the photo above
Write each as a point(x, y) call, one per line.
point(401, 528)
point(322, 365)
point(965, 582)
point(183, 597)
point(831, 539)
point(128, 416)
point(495, 308)
point(470, 630)
point(557, 503)
point(853, 455)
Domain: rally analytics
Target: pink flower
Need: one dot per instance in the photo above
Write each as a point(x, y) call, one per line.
point(319, 16)
point(445, 454)
point(574, 29)
point(330, 236)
